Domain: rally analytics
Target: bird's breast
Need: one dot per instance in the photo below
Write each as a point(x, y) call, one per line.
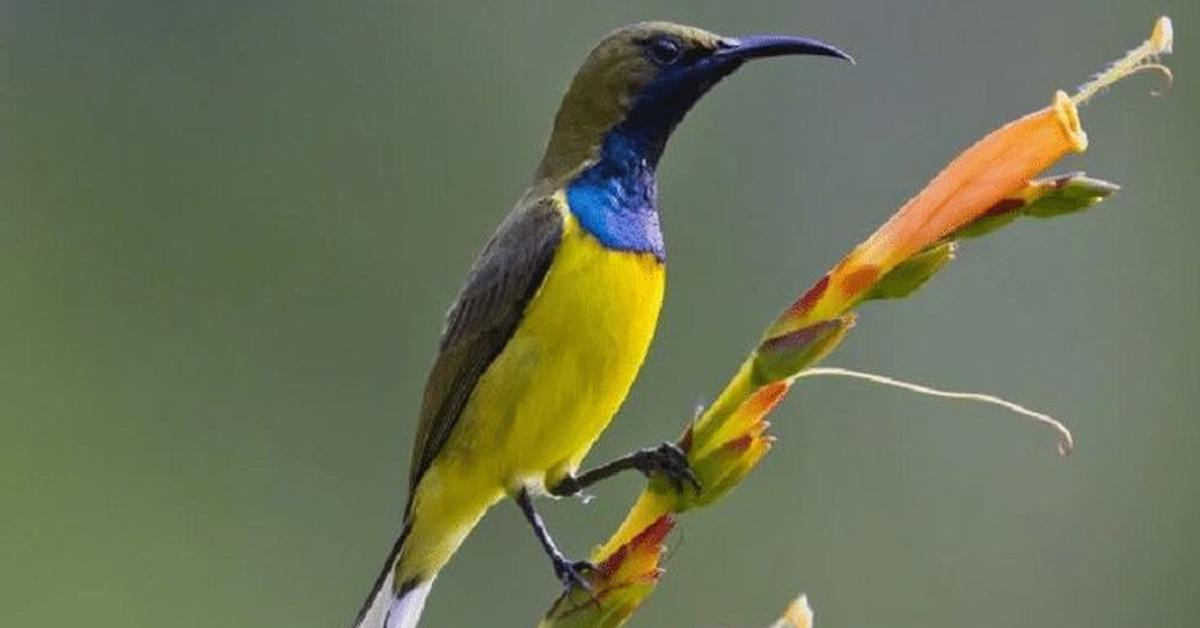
point(571, 362)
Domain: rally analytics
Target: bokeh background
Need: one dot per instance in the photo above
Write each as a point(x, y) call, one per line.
point(229, 231)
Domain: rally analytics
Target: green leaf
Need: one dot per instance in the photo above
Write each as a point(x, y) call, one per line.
point(1042, 198)
point(912, 273)
point(1069, 194)
point(784, 356)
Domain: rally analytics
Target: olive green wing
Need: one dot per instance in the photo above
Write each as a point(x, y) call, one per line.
point(501, 283)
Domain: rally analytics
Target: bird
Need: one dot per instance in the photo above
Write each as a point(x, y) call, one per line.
point(558, 311)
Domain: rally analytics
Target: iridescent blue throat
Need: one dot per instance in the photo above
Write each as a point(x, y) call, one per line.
point(615, 198)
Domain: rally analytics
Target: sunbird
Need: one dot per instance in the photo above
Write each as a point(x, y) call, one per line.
point(558, 311)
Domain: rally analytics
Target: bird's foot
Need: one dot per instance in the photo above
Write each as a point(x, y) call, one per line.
point(572, 575)
point(669, 460)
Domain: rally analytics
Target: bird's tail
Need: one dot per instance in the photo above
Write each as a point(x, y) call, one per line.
point(431, 535)
point(387, 605)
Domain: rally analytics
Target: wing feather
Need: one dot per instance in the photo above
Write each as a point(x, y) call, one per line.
point(500, 285)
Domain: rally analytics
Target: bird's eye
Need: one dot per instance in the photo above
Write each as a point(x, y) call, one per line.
point(665, 50)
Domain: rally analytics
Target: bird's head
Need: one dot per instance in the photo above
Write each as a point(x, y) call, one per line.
point(642, 79)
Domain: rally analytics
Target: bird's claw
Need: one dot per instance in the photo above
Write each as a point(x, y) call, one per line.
point(669, 460)
point(572, 575)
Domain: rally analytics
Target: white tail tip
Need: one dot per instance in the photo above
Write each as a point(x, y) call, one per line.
point(389, 611)
point(405, 611)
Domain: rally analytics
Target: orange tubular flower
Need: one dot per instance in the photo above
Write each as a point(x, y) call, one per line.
point(996, 167)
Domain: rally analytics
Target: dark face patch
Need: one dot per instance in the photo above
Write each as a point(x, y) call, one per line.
point(616, 198)
point(655, 73)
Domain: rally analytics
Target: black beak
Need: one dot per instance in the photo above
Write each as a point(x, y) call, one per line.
point(760, 46)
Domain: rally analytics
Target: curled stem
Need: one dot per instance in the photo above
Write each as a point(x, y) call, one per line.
point(1066, 441)
point(1142, 58)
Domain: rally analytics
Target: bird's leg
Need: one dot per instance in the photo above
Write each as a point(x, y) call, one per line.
point(570, 573)
point(667, 459)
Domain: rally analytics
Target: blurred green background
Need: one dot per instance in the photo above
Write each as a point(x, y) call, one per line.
point(229, 232)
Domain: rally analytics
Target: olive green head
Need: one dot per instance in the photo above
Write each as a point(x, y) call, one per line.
point(643, 78)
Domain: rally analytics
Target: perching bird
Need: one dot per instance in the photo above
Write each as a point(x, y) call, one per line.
point(558, 312)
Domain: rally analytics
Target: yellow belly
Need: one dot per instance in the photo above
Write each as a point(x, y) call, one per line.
point(546, 398)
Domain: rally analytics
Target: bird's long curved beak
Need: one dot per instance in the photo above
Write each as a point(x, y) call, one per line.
point(759, 46)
